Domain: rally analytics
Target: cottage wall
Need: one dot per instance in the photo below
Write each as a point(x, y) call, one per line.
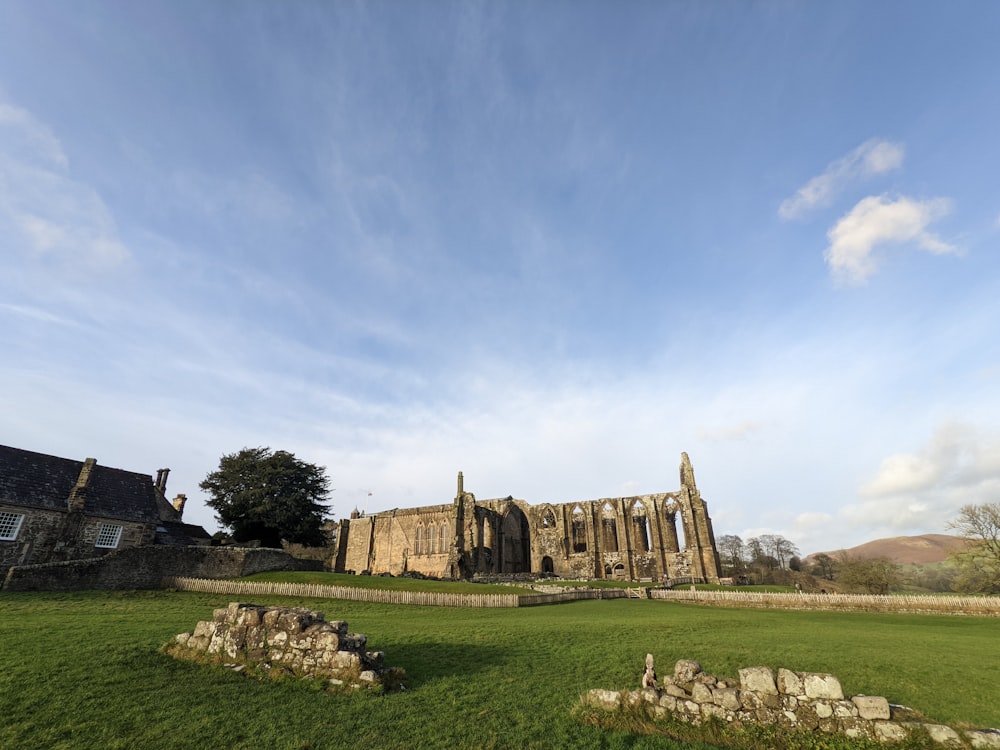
point(53, 536)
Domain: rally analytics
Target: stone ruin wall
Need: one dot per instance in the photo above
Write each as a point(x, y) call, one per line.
point(274, 640)
point(644, 536)
point(794, 701)
point(386, 542)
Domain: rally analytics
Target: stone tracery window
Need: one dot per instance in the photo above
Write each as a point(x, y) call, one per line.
point(548, 519)
point(609, 529)
point(641, 527)
point(443, 541)
point(418, 540)
point(579, 525)
point(431, 539)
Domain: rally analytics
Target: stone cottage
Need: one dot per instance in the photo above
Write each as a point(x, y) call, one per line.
point(621, 537)
point(54, 509)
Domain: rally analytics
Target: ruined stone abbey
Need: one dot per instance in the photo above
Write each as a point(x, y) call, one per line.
point(622, 537)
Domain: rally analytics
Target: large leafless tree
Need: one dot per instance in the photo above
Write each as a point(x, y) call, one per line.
point(978, 563)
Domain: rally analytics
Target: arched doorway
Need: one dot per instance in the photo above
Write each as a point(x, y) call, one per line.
point(515, 542)
point(547, 566)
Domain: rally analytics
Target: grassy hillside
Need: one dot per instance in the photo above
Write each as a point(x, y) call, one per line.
point(904, 550)
point(83, 670)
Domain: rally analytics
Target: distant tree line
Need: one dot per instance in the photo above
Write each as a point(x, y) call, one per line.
point(975, 568)
point(759, 559)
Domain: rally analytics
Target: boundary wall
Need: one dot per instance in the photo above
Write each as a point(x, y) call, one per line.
point(981, 606)
point(384, 596)
point(145, 568)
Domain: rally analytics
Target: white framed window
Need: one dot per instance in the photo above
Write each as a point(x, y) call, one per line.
point(10, 525)
point(108, 535)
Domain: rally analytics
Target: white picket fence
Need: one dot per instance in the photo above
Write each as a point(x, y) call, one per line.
point(382, 596)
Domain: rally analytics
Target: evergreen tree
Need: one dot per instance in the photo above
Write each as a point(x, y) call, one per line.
point(269, 496)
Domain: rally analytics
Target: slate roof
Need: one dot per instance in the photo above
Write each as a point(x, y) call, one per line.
point(178, 534)
point(37, 480)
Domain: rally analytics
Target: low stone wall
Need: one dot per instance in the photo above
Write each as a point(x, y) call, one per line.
point(271, 640)
point(146, 567)
point(796, 701)
point(980, 606)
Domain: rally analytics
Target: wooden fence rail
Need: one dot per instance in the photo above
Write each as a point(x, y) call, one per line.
point(923, 604)
point(382, 596)
point(983, 606)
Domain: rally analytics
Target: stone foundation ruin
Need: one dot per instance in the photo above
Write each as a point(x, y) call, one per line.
point(289, 640)
point(795, 701)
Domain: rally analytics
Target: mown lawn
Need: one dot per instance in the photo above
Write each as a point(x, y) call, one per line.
point(83, 670)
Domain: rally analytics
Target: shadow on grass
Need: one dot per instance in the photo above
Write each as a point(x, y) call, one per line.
point(426, 661)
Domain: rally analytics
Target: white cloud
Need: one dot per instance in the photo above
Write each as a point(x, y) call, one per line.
point(809, 521)
point(924, 489)
point(879, 220)
point(873, 157)
point(739, 431)
point(37, 314)
point(903, 473)
point(54, 215)
point(30, 136)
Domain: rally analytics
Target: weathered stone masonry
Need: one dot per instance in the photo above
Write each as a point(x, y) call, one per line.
point(803, 701)
point(296, 640)
point(625, 537)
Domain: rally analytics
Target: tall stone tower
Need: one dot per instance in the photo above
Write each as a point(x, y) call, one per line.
point(697, 526)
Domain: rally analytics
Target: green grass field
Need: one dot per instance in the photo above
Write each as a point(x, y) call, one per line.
point(83, 670)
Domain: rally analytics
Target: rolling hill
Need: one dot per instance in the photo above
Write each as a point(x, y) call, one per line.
point(904, 550)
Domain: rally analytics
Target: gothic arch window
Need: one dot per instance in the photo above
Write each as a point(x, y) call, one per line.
point(443, 541)
point(579, 530)
point(669, 528)
point(640, 523)
point(431, 537)
point(488, 534)
point(609, 529)
point(548, 519)
point(418, 540)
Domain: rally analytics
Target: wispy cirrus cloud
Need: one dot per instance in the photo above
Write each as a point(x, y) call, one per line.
point(879, 220)
point(49, 212)
point(873, 157)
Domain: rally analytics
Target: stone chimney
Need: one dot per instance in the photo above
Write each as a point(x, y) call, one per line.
point(78, 494)
point(461, 485)
point(178, 503)
point(161, 480)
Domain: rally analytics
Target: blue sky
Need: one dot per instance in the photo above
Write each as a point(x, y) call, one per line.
point(551, 245)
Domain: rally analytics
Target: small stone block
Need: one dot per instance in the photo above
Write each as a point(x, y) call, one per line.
point(824, 686)
point(872, 707)
point(758, 680)
point(888, 731)
point(985, 738)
